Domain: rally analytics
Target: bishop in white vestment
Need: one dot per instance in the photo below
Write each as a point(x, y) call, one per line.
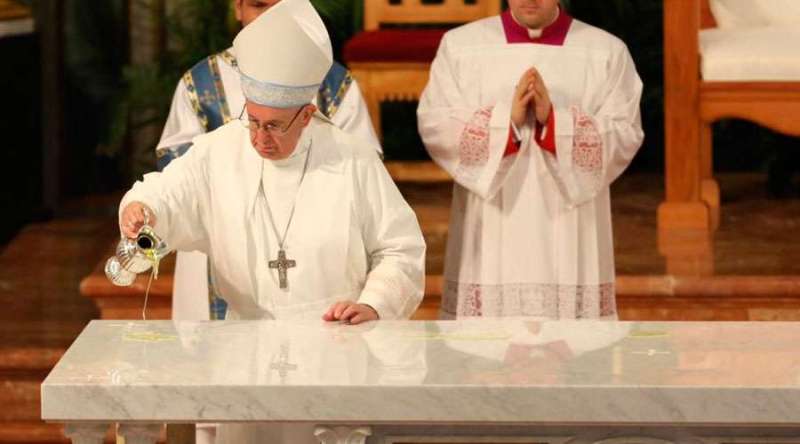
point(530, 224)
point(210, 95)
point(254, 195)
point(300, 219)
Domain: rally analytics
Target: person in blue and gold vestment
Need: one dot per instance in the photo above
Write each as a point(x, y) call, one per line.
point(210, 95)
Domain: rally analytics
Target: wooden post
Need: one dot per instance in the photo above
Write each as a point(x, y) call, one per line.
point(49, 25)
point(180, 433)
point(372, 13)
point(709, 189)
point(683, 208)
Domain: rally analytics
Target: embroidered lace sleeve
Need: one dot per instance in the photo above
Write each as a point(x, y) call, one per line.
point(545, 301)
point(594, 143)
point(466, 138)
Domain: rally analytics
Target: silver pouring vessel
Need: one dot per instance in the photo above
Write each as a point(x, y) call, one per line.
point(134, 256)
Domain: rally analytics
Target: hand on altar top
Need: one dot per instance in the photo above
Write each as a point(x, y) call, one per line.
point(530, 94)
point(350, 312)
point(133, 217)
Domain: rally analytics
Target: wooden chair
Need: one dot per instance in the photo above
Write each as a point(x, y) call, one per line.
point(393, 64)
point(692, 105)
point(15, 19)
point(11, 10)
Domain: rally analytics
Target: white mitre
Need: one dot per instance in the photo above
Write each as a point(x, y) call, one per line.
point(284, 55)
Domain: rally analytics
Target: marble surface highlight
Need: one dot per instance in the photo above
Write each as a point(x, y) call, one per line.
point(470, 371)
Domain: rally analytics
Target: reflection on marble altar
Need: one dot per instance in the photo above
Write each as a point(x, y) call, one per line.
point(511, 380)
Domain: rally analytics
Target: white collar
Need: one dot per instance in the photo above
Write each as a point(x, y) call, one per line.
point(536, 33)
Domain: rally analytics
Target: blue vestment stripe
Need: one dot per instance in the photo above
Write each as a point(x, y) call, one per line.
point(168, 155)
point(210, 98)
point(333, 89)
point(218, 308)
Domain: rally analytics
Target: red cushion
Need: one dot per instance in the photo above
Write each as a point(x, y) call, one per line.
point(394, 45)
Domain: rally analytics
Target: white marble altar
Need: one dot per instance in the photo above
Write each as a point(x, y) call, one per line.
point(507, 380)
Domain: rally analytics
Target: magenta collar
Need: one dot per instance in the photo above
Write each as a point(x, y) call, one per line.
point(554, 34)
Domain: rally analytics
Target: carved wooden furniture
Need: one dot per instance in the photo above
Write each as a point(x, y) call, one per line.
point(692, 105)
point(11, 10)
point(392, 64)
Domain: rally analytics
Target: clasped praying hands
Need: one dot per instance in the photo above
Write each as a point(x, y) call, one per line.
point(530, 95)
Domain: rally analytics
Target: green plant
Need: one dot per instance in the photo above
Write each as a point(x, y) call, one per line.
point(192, 29)
point(343, 18)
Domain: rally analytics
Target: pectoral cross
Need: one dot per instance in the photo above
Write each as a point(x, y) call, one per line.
point(282, 264)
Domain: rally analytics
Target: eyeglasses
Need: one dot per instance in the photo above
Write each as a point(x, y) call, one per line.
point(270, 127)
